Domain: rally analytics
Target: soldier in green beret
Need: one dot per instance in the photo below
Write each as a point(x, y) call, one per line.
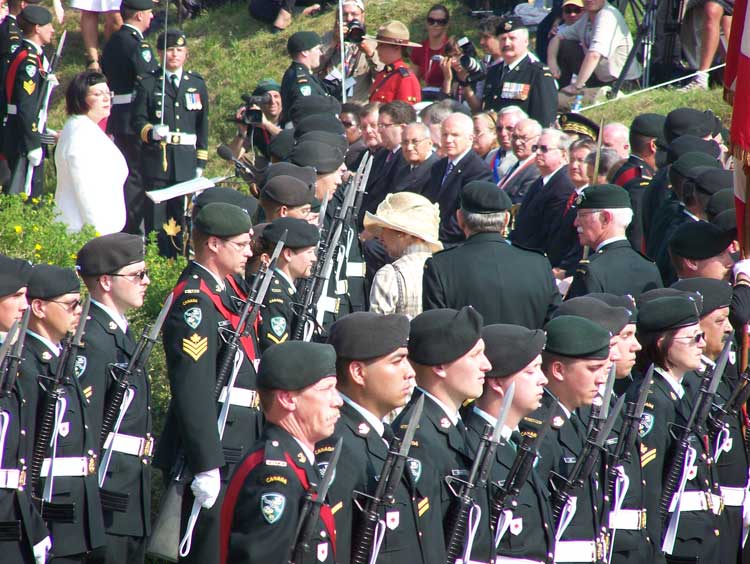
point(257, 136)
point(700, 249)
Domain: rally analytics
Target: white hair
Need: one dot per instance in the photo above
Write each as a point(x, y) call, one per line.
point(621, 217)
point(513, 110)
point(422, 127)
point(561, 139)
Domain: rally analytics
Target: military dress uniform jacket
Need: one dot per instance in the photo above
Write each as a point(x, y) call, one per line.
point(359, 468)
point(299, 82)
point(126, 58)
point(185, 111)
point(616, 268)
point(634, 167)
point(76, 445)
point(260, 514)
point(10, 38)
point(278, 314)
point(505, 283)
point(396, 82)
point(529, 85)
point(126, 492)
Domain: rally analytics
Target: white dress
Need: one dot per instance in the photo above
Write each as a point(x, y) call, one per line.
point(91, 172)
point(96, 5)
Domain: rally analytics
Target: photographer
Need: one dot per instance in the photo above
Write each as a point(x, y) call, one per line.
point(258, 120)
point(461, 70)
point(360, 55)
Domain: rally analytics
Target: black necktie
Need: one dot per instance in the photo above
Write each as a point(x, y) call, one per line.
point(515, 439)
point(173, 81)
point(462, 429)
point(388, 434)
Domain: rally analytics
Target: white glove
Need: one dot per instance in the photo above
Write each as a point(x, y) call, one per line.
point(205, 487)
point(198, 172)
point(742, 267)
point(159, 132)
point(51, 79)
point(41, 549)
point(35, 157)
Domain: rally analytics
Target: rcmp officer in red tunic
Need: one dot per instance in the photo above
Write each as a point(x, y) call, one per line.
point(395, 81)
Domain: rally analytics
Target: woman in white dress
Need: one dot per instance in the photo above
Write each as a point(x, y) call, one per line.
point(91, 170)
point(90, 10)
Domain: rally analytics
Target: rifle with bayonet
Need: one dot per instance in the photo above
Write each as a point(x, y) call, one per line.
point(457, 518)
point(4, 354)
point(390, 475)
point(740, 395)
point(694, 425)
point(310, 512)
point(13, 360)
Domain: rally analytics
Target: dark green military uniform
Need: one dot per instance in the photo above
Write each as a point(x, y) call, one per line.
point(278, 314)
point(298, 81)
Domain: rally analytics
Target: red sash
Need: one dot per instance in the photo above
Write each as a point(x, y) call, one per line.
point(10, 78)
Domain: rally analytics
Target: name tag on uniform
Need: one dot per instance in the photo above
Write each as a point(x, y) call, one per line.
point(193, 101)
point(569, 459)
point(515, 91)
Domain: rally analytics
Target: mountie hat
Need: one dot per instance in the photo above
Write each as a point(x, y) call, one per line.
point(227, 196)
point(670, 312)
point(577, 124)
point(265, 86)
point(603, 197)
point(625, 301)
point(510, 348)
point(440, 336)
point(302, 41)
point(175, 38)
point(508, 24)
point(222, 220)
point(364, 335)
point(287, 190)
point(393, 33)
point(295, 365)
point(333, 140)
point(481, 196)
point(138, 4)
point(282, 145)
point(322, 158)
point(314, 104)
point(109, 253)
point(716, 293)
point(304, 173)
point(691, 160)
point(37, 15)
point(48, 281)
point(688, 121)
point(699, 240)
point(577, 337)
point(649, 125)
point(613, 319)
point(300, 234)
point(328, 123)
point(14, 275)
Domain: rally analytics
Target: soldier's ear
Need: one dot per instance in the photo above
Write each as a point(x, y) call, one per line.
point(357, 372)
point(38, 308)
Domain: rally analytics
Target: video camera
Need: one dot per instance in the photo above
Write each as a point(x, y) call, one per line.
point(355, 31)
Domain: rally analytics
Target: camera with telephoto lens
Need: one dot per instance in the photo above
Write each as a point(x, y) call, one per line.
point(469, 59)
point(355, 31)
point(252, 115)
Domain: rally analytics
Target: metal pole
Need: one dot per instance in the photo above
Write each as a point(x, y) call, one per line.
point(342, 47)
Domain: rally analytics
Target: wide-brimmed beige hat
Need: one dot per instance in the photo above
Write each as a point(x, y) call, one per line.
point(409, 213)
point(394, 33)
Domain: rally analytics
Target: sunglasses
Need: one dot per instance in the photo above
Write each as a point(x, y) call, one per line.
point(697, 338)
point(348, 124)
point(542, 149)
point(141, 274)
point(69, 306)
point(572, 10)
point(437, 21)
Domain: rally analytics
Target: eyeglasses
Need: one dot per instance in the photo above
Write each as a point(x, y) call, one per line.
point(694, 339)
point(141, 274)
point(415, 142)
point(524, 140)
point(437, 21)
point(544, 149)
point(240, 246)
point(385, 125)
point(68, 306)
point(572, 10)
point(509, 129)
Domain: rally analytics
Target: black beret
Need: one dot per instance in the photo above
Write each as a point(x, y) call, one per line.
point(508, 24)
point(319, 122)
point(322, 158)
point(175, 38)
point(295, 365)
point(314, 104)
point(333, 140)
point(723, 200)
point(603, 196)
point(14, 274)
point(138, 4)
point(282, 144)
point(713, 180)
point(613, 319)
point(726, 221)
point(699, 240)
point(48, 281)
point(222, 220)
point(669, 312)
point(691, 144)
point(36, 15)
point(625, 301)
point(577, 124)
point(265, 86)
point(227, 196)
point(364, 335)
point(304, 173)
point(287, 190)
point(657, 293)
point(715, 293)
point(302, 41)
point(109, 253)
point(300, 234)
point(440, 336)
point(692, 160)
point(577, 337)
point(510, 348)
point(482, 196)
point(688, 121)
point(648, 125)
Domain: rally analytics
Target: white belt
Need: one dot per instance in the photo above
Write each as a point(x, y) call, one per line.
point(575, 551)
point(701, 501)
point(511, 560)
point(129, 444)
point(733, 497)
point(70, 466)
point(12, 109)
point(12, 479)
point(240, 396)
point(355, 269)
point(329, 304)
point(628, 519)
point(118, 99)
point(176, 138)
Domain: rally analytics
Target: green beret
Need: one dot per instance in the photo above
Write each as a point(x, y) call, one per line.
point(319, 122)
point(713, 180)
point(510, 348)
point(295, 365)
point(222, 220)
point(227, 196)
point(670, 312)
point(577, 337)
point(314, 104)
point(723, 200)
point(282, 144)
point(508, 24)
point(14, 275)
point(482, 196)
point(175, 38)
point(613, 319)
point(603, 197)
point(625, 301)
point(364, 335)
point(304, 173)
point(322, 158)
point(265, 86)
point(302, 41)
point(699, 240)
point(648, 125)
point(688, 121)
point(138, 4)
point(716, 293)
point(334, 140)
point(48, 281)
point(287, 190)
point(300, 233)
point(689, 144)
point(440, 336)
point(109, 253)
point(36, 15)
point(577, 124)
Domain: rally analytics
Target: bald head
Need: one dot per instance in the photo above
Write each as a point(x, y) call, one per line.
point(457, 135)
point(617, 136)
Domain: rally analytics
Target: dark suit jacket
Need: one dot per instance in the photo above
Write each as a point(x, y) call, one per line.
point(541, 212)
point(378, 184)
point(447, 194)
point(416, 180)
point(518, 183)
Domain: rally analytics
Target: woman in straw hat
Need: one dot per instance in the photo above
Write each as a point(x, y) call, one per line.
point(407, 225)
point(395, 81)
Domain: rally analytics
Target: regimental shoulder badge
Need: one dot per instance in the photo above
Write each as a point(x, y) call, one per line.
point(29, 86)
point(278, 325)
point(322, 467)
point(46, 355)
point(272, 506)
point(322, 551)
point(146, 54)
point(193, 317)
point(80, 366)
point(31, 70)
point(516, 526)
point(415, 467)
point(646, 424)
point(305, 90)
point(195, 346)
point(64, 429)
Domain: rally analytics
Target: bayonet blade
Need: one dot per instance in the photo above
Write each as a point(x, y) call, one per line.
point(607, 394)
point(411, 428)
point(271, 265)
point(8, 342)
point(503, 414)
point(643, 394)
point(610, 423)
point(721, 364)
point(330, 471)
point(154, 333)
point(77, 338)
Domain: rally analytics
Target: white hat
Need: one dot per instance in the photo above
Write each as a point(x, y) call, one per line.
point(409, 213)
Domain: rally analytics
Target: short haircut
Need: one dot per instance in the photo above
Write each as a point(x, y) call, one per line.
point(435, 113)
point(562, 139)
point(485, 222)
point(620, 216)
point(653, 351)
point(607, 159)
point(400, 112)
point(352, 108)
point(583, 143)
point(535, 128)
point(368, 109)
point(75, 95)
point(422, 127)
point(128, 13)
point(512, 110)
point(489, 25)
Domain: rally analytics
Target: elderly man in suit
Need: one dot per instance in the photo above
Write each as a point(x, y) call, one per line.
point(450, 174)
point(419, 154)
point(521, 176)
point(503, 159)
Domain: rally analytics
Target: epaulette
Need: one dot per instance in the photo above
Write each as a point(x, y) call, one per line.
point(193, 74)
point(274, 455)
point(403, 71)
point(134, 33)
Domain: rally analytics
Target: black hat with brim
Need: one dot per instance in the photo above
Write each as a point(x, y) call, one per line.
point(577, 337)
point(48, 281)
point(511, 348)
point(365, 335)
point(440, 336)
point(222, 220)
point(14, 275)
point(295, 365)
point(109, 253)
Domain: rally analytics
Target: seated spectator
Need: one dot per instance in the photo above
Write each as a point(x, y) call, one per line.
point(416, 147)
point(594, 49)
point(256, 137)
point(522, 175)
point(717, 18)
point(609, 161)
point(433, 116)
point(407, 226)
point(395, 81)
point(502, 158)
point(349, 118)
point(578, 168)
point(485, 137)
point(425, 61)
point(642, 138)
point(368, 125)
point(572, 10)
point(91, 170)
point(617, 136)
